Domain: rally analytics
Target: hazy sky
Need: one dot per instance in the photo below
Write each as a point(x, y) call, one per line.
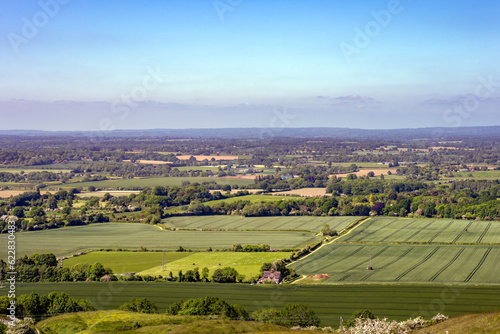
point(90, 65)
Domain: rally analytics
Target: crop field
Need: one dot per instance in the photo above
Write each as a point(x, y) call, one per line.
point(251, 198)
point(71, 240)
point(301, 223)
point(247, 264)
point(163, 181)
point(125, 262)
point(391, 230)
point(398, 302)
point(403, 263)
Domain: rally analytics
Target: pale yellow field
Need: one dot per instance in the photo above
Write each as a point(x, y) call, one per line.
point(307, 192)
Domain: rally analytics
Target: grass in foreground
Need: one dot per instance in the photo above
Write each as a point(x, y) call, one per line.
point(396, 302)
point(131, 322)
point(485, 323)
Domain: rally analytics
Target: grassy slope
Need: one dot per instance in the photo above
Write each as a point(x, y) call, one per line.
point(123, 322)
point(396, 302)
point(124, 262)
point(70, 240)
point(483, 323)
point(247, 264)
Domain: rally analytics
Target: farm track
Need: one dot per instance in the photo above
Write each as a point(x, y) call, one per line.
point(461, 233)
point(407, 271)
point(484, 233)
point(474, 271)
point(447, 265)
point(440, 231)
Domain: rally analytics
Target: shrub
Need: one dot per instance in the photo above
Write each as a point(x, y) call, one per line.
point(140, 305)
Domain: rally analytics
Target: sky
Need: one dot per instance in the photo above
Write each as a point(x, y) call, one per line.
point(112, 64)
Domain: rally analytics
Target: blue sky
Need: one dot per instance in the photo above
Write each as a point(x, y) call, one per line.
point(99, 65)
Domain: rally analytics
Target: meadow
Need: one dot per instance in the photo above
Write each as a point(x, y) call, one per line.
point(398, 302)
point(125, 262)
point(71, 240)
point(403, 263)
point(280, 223)
point(247, 264)
point(158, 181)
point(398, 230)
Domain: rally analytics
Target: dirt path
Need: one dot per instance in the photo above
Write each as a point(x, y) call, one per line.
point(328, 243)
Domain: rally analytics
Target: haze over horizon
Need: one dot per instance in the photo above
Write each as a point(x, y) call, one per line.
point(94, 65)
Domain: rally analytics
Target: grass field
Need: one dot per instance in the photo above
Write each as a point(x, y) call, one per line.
point(126, 262)
point(391, 230)
point(302, 223)
point(466, 324)
point(126, 322)
point(396, 302)
point(70, 240)
point(247, 264)
point(151, 182)
point(251, 198)
point(403, 263)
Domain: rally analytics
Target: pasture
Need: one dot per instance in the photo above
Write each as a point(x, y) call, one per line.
point(125, 262)
point(398, 230)
point(403, 263)
point(71, 240)
point(398, 302)
point(247, 264)
point(307, 192)
point(158, 181)
point(280, 223)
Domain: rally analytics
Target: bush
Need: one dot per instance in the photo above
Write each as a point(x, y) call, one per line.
point(140, 305)
point(291, 315)
point(208, 306)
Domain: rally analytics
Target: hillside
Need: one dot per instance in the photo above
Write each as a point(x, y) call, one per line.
point(483, 323)
point(130, 322)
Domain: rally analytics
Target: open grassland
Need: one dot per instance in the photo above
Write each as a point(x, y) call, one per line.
point(125, 262)
point(466, 324)
point(126, 322)
point(403, 263)
point(396, 302)
point(478, 175)
point(301, 223)
point(307, 192)
point(71, 240)
point(158, 181)
point(398, 230)
point(251, 198)
point(247, 264)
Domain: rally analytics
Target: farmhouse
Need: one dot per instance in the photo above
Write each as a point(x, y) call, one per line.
point(270, 276)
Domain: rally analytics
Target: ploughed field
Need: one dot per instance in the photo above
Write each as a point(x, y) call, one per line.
point(409, 250)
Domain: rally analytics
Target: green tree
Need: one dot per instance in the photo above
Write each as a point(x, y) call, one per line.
point(142, 305)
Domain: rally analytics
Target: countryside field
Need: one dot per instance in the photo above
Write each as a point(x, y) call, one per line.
point(70, 240)
point(391, 230)
point(247, 264)
point(280, 223)
point(125, 262)
point(403, 263)
point(163, 181)
point(398, 302)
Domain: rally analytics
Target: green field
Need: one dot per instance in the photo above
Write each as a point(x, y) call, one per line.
point(27, 170)
point(398, 230)
point(396, 302)
point(478, 175)
point(300, 223)
point(125, 262)
point(251, 198)
point(163, 181)
point(247, 264)
point(403, 263)
point(70, 240)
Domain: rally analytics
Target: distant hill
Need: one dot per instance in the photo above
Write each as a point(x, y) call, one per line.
point(263, 133)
